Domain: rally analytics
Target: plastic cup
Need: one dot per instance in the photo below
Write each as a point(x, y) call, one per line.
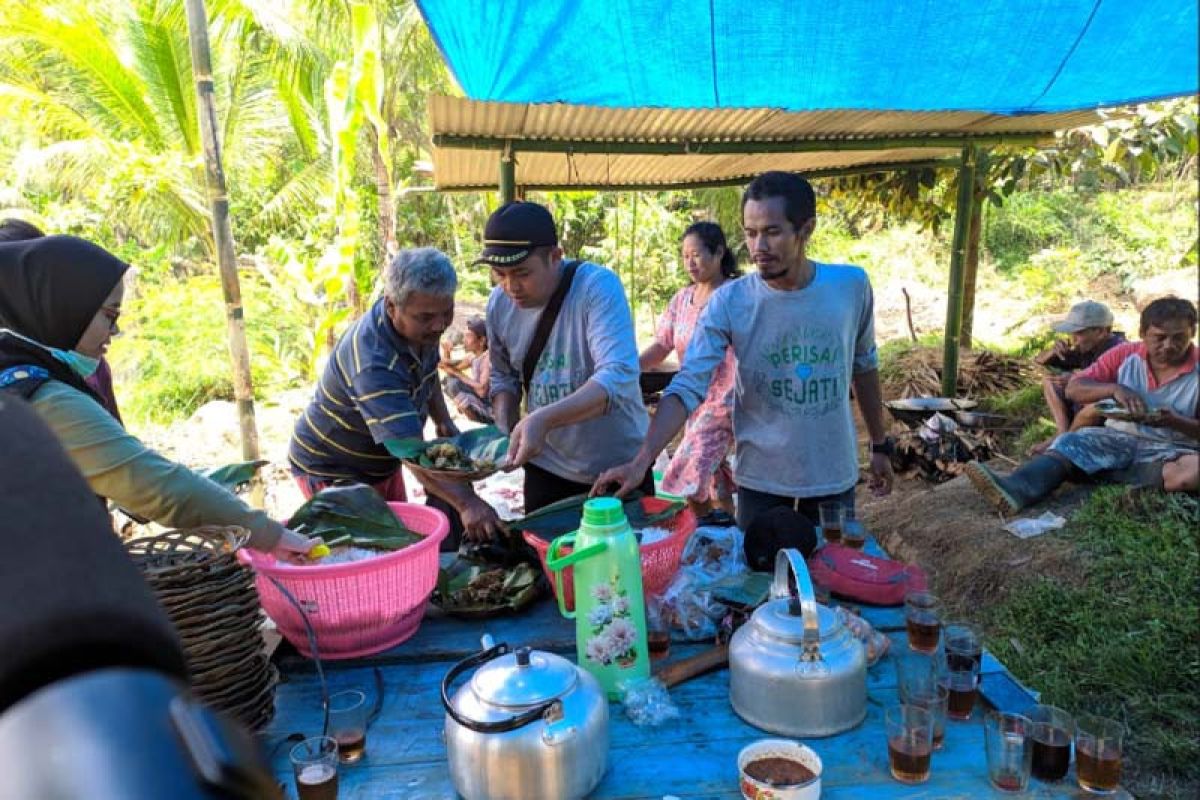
point(909, 742)
point(830, 513)
point(348, 724)
point(854, 534)
point(1009, 750)
point(964, 688)
point(923, 620)
point(315, 767)
point(1052, 732)
point(1098, 750)
point(963, 641)
point(934, 698)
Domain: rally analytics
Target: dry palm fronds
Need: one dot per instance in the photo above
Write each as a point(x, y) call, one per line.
point(917, 372)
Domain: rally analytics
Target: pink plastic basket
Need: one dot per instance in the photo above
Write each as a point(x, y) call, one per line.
point(660, 560)
point(359, 608)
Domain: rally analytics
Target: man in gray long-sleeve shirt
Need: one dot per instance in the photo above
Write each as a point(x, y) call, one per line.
point(803, 334)
point(583, 405)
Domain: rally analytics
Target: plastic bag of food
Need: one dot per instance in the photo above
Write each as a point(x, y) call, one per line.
point(712, 555)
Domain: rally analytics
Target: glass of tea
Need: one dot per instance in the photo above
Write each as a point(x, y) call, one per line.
point(1009, 750)
point(917, 671)
point(910, 742)
point(963, 641)
point(963, 685)
point(1052, 731)
point(831, 520)
point(658, 631)
point(1098, 753)
point(315, 765)
point(854, 533)
point(923, 620)
point(348, 724)
point(934, 698)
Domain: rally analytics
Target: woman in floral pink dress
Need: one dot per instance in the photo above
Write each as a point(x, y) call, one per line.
point(699, 469)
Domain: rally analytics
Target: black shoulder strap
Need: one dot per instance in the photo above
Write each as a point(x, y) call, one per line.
point(545, 325)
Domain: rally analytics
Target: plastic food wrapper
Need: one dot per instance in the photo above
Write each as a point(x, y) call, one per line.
point(876, 643)
point(1029, 527)
point(647, 702)
point(712, 555)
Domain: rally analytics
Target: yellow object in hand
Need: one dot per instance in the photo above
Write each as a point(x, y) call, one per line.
point(319, 550)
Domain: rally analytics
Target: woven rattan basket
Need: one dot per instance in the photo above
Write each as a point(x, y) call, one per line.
point(212, 601)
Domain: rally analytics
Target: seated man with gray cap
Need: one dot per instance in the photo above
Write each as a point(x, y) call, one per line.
point(1089, 325)
point(561, 336)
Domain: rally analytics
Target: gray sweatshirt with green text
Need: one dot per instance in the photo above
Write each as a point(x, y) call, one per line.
point(796, 354)
point(593, 339)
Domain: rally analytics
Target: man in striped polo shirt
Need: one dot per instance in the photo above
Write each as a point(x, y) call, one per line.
point(381, 383)
point(1157, 382)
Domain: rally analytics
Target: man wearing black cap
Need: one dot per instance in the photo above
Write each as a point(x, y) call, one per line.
point(561, 336)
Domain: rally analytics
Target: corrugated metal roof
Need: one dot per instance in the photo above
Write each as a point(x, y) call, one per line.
point(474, 164)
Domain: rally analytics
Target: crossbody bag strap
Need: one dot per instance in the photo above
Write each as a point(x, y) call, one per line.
point(545, 325)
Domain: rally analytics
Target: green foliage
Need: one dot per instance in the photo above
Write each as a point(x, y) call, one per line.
point(173, 357)
point(1121, 641)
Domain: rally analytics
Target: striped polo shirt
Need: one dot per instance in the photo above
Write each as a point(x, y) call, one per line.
point(376, 386)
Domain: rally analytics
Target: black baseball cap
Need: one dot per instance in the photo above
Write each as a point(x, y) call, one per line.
point(513, 231)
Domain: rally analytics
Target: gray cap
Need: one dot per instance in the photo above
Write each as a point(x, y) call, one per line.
point(1088, 314)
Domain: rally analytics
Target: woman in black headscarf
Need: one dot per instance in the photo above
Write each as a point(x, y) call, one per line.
point(60, 298)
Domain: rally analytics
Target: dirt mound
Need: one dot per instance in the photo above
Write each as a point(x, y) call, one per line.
point(951, 531)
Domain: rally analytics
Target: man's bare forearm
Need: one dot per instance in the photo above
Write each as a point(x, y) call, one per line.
point(870, 403)
point(1085, 390)
point(587, 402)
point(506, 411)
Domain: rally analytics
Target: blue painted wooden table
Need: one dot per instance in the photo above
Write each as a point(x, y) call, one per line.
point(692, 757)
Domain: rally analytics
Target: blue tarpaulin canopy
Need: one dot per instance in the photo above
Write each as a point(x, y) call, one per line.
point(548, 77)
point(661, 93)
point(1000, 56)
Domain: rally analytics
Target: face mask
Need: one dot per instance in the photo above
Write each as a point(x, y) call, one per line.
point(84, 366)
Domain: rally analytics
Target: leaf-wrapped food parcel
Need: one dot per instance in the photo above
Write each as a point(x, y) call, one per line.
point(468, 456)
point(355, 511)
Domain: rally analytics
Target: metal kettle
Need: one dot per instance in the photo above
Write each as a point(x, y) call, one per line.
point(528, 725)
point(794, 668)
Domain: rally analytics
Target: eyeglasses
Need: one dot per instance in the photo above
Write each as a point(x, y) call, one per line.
point(112, 313)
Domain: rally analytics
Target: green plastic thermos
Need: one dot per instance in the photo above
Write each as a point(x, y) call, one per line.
point(610, 613)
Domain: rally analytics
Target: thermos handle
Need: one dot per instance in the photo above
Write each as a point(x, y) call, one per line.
point(789, 559)
point(557, 564)
point(499, 726)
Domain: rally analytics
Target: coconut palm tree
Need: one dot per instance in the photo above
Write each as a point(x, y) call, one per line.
point(103, 94)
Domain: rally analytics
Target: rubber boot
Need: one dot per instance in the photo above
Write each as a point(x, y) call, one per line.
point(1023, 487)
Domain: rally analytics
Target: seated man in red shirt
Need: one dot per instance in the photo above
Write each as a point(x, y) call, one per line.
point(1157, 381)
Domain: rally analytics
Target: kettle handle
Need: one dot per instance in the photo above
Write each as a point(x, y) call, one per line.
point(499, 726)
point(789, 559)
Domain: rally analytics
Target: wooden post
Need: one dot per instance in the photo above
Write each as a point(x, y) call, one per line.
point(508, 176)
point(958, 253)
point(222, 235)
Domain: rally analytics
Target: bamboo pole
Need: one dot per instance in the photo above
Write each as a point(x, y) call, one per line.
point(958, 252)
point(971, 271)
point(508, 176)
point(239, 352)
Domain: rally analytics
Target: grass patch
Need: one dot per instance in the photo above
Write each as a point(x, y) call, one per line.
point(1124, 641)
